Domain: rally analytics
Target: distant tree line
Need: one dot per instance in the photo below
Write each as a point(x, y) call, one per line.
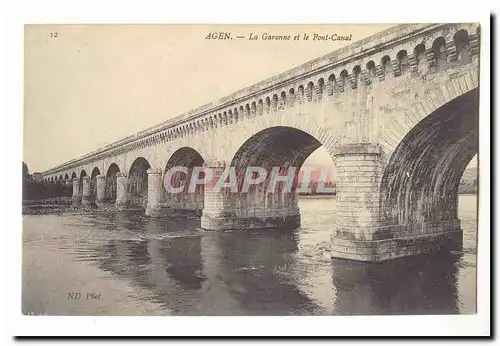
point(313, 185)
point(467, 187)
point(33, 189)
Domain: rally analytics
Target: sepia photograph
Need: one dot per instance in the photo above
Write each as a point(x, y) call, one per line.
point(251, 169)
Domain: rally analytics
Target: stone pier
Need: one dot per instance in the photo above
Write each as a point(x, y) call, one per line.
point(87, 198)
point(76, 198)
point(155, 192)
point(258, 208)
point(100, 190)
point(360, 232)
point(121, 191)
point(213, 215)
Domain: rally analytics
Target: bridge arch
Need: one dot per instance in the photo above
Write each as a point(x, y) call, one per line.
point(302, 123)
point(110, 186)
point(275, 146)
point(278, 146)
point(95, 172)
point(83, 174)
point(138, 182)
point(190, 158)
point(420, 181)
point(93, 181)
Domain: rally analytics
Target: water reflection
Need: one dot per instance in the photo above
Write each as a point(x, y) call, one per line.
point(419, 285)
point(262, 272)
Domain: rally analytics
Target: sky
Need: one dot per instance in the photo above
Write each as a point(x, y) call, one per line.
point(90, 85)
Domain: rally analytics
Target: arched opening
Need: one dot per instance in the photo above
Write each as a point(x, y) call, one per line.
point(282, 150)
point(385, 63)
point(93, 181)
point(73, 176)
point(83, 174)
point(439, 48)
point(321, 88)
point(275, 103)
point(343, 79)
point(247, 111)
point(421, 180)
point(461, 39)
point(300, 94)
point(421, 58)
point(110, 187)
point(235, 115)
point(184, 200)
point(331, 84)
point(291, 97)
point(138, 182)
point(282, 102)
point(66, 186)
point(310, 89)
point(268, 105)
point(370, 66)
point(402, 58)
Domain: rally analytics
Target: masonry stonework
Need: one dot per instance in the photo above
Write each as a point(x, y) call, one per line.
point(397, 112)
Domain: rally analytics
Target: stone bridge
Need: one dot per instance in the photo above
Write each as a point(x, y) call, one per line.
point(397, 112)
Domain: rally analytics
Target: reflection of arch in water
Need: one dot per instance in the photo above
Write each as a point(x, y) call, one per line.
point(423, 284)
point(184, 264)
point(258, 269)
point(249, 273)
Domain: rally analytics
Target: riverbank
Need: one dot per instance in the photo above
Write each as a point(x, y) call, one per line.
point(54, 209)
point(48, 209)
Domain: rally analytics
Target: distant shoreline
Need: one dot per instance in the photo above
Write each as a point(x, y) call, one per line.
point(317, 196)
point(334, 196)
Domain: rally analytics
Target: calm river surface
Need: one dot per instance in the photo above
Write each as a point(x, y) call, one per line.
point(127, 264)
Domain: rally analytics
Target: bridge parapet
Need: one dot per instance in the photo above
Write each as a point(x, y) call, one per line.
point(415, 49)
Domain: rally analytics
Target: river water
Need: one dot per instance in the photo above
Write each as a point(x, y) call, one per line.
point(123, 263)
